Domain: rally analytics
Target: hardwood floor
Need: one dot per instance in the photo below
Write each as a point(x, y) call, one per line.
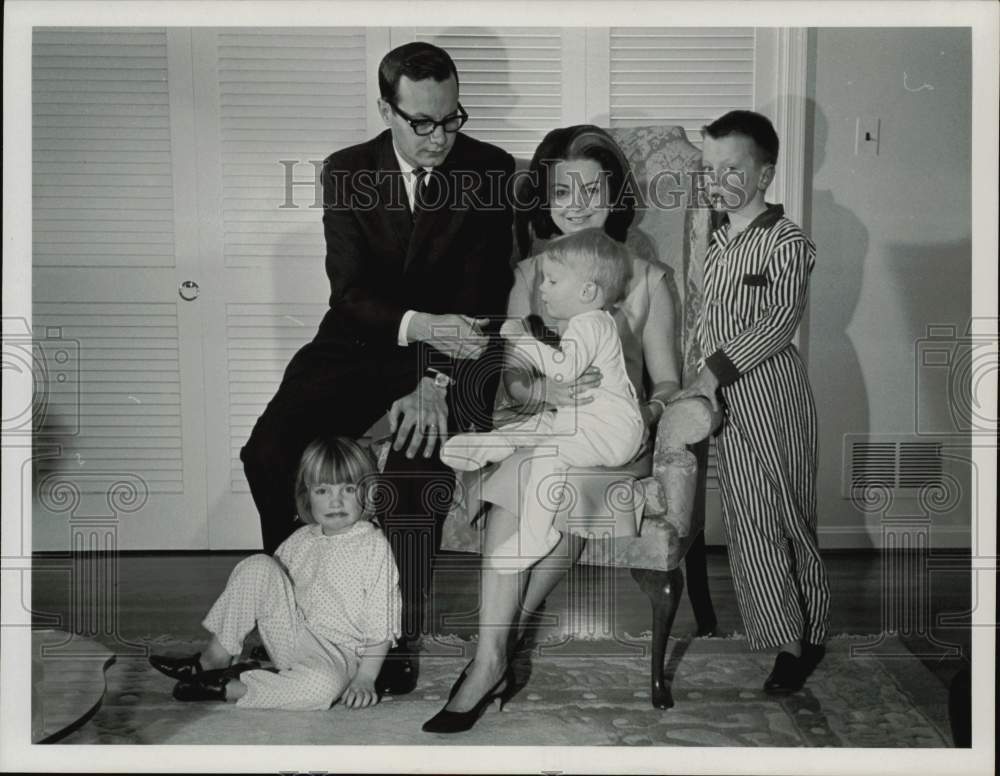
point(116, 600)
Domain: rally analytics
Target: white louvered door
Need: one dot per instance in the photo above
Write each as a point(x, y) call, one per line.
point(120, 446)
point(677, 75)
point(511, 81)
point(263, 97)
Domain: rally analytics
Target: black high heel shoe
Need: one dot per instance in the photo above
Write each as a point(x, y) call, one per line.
point(461, 678)
point(459, 721)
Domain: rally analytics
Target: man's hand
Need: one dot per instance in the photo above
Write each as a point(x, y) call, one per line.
point(360, 693)
point(559, 394)
point(514, 328)
point(704, 385)
point(423, 412)
point(457, 336)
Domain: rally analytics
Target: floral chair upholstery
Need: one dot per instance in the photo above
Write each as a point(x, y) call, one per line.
point(666, 230)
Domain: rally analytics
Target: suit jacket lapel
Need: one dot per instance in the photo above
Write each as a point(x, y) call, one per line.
point(392, 196)
point(429, 224)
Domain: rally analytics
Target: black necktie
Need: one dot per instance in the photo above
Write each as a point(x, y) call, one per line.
point(423, 183)
point(418, 188)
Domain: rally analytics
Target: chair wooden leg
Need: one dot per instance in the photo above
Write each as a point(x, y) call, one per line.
point(664, 590)
point(695, 561)
point(696, 574)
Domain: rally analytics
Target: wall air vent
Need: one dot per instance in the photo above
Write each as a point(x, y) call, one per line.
point(896, 465)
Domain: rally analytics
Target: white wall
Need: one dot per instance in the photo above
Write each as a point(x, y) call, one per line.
point(894, 253)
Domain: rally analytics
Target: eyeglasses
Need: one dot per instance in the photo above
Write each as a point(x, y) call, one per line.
point(424, 127)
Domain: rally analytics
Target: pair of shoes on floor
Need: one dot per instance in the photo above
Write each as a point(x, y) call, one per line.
point(446, 721)
point(210, 685)
point(189, 667)
point(398, 675)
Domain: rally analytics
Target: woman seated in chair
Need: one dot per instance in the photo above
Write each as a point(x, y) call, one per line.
point(577, 181)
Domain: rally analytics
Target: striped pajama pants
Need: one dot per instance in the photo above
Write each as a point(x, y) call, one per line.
point(767, 477)
point(312, 673)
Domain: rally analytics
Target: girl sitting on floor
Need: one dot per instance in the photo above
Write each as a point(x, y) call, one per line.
point(327, 605)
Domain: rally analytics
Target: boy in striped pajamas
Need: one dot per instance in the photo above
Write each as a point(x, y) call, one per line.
point(756, 281)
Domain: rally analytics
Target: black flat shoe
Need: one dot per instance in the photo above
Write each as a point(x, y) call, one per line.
point(398, 675)
point(189, 668)
point(459, 721)
point(178, 667)
point(207, 686)
point(786, 676)
point(211, 685)
point(812, 656)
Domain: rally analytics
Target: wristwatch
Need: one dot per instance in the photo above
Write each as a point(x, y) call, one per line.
point(441, 380)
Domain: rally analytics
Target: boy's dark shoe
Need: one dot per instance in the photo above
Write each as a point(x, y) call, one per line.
point(812, 656)
point(399, 672)
point(786, 676)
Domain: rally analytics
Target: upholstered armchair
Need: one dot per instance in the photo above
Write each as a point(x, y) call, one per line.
point(667, 230)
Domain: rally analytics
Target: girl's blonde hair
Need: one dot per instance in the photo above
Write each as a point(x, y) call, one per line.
point(334, 460)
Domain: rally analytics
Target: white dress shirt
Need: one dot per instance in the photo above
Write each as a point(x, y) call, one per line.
point(409, 183)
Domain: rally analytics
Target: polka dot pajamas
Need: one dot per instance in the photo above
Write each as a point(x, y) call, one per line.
point(316, 604)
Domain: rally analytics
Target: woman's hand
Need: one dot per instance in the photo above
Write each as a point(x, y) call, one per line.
point(559, 394)
point(651, 412)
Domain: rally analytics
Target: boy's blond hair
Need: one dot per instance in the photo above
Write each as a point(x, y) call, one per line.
point(595, 256)
point(333, 460)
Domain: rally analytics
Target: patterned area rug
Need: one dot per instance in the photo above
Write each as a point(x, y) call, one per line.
point(578, 693)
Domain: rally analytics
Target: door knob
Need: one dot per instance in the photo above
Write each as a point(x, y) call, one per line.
point(189, 290)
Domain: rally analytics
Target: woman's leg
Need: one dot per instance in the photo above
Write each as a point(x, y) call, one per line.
point(500, 598)
point(546, 574)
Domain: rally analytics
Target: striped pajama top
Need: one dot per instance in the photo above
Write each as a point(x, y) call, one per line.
point(756, 285)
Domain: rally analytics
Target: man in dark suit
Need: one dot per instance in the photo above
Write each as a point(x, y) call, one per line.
point(418, 245)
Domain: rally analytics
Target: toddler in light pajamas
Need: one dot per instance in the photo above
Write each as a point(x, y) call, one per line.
point(583, 274)
point(327, 604)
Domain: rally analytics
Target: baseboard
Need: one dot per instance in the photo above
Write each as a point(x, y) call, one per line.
point(860, 537)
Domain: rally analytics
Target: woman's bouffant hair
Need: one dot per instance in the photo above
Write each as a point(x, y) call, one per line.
point(582, 141)
point(595, 256)
point(334, 460)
